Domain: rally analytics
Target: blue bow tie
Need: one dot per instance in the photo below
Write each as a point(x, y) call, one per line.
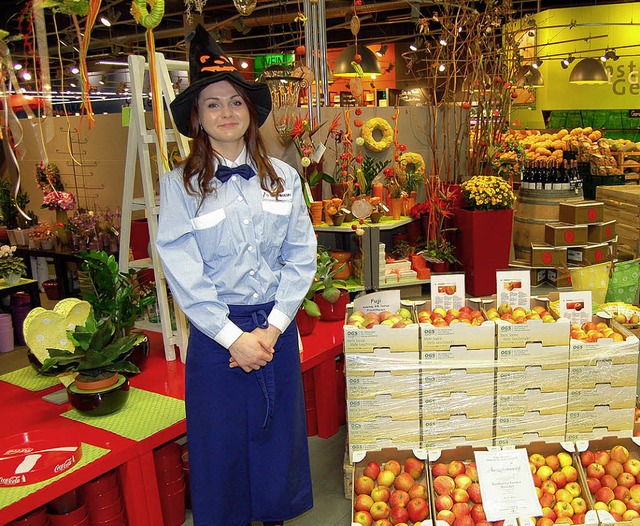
point(224, 172)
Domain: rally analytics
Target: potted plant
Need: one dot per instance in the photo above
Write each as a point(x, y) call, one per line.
point(41, 236)
point(121, 296)
point(329, 294)
point(99, 357)
point(12, 268)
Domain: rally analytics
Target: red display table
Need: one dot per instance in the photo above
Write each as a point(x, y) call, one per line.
point(25, 410)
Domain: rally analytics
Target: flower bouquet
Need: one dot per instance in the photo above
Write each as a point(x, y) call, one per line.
point(11, 267)
point(488, 192)
point(49, 181)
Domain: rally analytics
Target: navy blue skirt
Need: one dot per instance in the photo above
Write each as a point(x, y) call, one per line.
point(247, 433)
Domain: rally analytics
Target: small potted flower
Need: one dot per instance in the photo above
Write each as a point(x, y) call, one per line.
point(41, 236)
point(12, 268)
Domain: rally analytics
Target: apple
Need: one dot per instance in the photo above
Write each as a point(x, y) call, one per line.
point(472, 471)
point(549, 486)
point(372, 470)
point(579, 505)
point(559, 478)
point(386, 478)
point(633, 504)
point(439, 469)
point(632, 466)
point(626, 479)
point(474, 493)
point(447, 516)
point(414, 467)
point(403, 312)
point(547, 500)
point(398, 515)
point(463, 481)
point(418, 509)
point(553, 462)
point(587, 457)
point(570, 472)
point(594, 485)
point(617, 506)
point(363, 502)
point(464, 520)
point(381, 494)
point(363, 518)
point(363, 485)
point(573, 488)
point(393, 466)
point(629, 515)
point(403, 482)
point(621, 493)
point(477, 513)
point(380, 510)
point(460, 495)
point(602, 457)
point(595, 470)
point(418, 490)
point(505, 308)
point(600, 506)
point(604, 494)
point(455, 468)
point(563, 509)
point(382, 522)
point(544, 521)
point(443, 502)
point(443, 485)
point(399, 498)
point(544, 472)
point(562, 495)
point(609, 481)
point(613, 468)
point(619, 453)
point(549, 513)
point(461, 508)
point(634, 491)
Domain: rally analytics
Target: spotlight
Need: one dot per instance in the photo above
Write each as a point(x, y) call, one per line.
point(382, 50)
point(442, 41)
point(442, 67)
point(102, 80)
point(536, 63)
point(244, 64)
point(565, 63)
point(17, 66)
point(415, 45)
point(610, 55)
point(72, 84)
point(26, 75)
point(74, 70)
point(105, 21)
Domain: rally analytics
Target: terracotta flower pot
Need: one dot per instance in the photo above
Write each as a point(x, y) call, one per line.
point(344, 263)
point(397, 204)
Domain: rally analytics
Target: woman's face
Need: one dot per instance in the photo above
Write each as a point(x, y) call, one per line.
point(224, 115)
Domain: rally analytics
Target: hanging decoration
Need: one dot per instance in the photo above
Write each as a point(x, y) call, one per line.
point(150, 20)
point(245, 7)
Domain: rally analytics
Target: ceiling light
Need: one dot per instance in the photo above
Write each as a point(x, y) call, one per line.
point(442, 41)
point(589, 71)
point(74, 70)
point(102, 80)
point(244, 64)
point(369, 63)
point(442, 67)
point(565, 63)
point(112, 62)
point(536, 63)
point(26, 75)
point(382, 50)
point(105, 21)
point(72, 84)
point(528, 76)
point(610, 55)
point(415, 45)
point(17, 66)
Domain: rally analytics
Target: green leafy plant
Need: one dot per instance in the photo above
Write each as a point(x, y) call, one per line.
point(10, 264)
point(439, 252)
point(371, 167)
point(10, 216)
point(121, 296)
point(98, 351)
point(324, 282)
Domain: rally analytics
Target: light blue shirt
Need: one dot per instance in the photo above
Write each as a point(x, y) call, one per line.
point(242, 247)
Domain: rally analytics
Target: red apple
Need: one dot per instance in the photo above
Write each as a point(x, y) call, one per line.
point(595, 470)
point(455, 468)
point(613, 468)
point(363, 485)
point(386, 478)
point(382, 522)
point(381, 494)
point(443, 502)
point(587, 457)
point(380, 510)
point(398, 515)
point(626, 479)
point(571, 473)
point(418, 509)
point(447, 516)
point(460, 495)
point(399, 498)
point(363, 518)
point(609, 481)
point(443, 485)
point(621, 493)
point(414, 467)
point(461, 508)
point(553, 462)
point(544, 521)
point(633, 504)
point(559, 478)
point(548, 512)
point(474, 493)
point(439, 469)
point(477, 513)
point(372, 470)
point(601, 457)
point(604, 494)
point(549, 486)
point(472, 471)
point(393, 466)
point(547, 500)
point(403, 482)
point(464, 520)
point(363, 503)
point(619, 453)
point(418, 490)
point(578, 518)
point(594, 485)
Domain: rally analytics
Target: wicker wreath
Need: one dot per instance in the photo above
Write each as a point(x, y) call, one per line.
point(377, 123)
point(411, 158)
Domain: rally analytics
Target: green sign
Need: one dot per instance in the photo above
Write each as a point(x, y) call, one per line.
point(262, 62)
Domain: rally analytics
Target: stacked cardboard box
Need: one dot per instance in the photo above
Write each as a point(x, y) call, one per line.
point(531, 381)
point(602, 386)
point(396, 272)
point(457, 384)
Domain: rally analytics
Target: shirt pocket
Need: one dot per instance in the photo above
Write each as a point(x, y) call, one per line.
point(212, 232)
point(276, 221)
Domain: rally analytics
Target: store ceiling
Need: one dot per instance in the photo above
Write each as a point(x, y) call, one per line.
point(271, 28)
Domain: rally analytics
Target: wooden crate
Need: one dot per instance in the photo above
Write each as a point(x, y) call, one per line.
point(622, 203)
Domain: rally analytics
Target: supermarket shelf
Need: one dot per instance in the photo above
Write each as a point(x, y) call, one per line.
point(386, 223)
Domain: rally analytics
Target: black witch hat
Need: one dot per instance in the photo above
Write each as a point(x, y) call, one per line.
point(208, 64)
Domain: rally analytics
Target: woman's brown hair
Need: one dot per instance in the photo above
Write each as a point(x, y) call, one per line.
point(199, 164)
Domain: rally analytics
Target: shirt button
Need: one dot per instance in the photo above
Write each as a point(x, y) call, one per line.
point(255, 295)
point(252, 273)
point(250, 249)
point(233, 177)
point(239, 198)
point(245, 221)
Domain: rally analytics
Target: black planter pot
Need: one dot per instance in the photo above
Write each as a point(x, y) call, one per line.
point(99, 402)
point(140, 353)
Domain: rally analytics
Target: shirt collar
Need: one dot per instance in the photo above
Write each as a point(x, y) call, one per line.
point(241, 159)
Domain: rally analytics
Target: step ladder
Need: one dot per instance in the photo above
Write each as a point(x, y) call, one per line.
point(141, 140)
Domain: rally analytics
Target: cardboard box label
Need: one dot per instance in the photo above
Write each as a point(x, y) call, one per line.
point(531, 400)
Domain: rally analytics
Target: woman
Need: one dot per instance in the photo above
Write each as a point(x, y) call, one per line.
point(239, 254)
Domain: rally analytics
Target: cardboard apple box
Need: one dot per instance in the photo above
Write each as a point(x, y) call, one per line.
point(602, 372)
point(366, 437)
point(440, 406)
point(599, 232)
point(554, 402)
point(434, 338)
point(458, 356)
point(525, 427)
point(518, 335)
point(443, 382)
point(382, 359)
point(614, 397)
point(581, 212)
point(565, 234)
point(458, 429)
point(515, 380)
point(361, 458)
point(546, 448)
point(589, 254)
point(364, 386)
point(582, 425)
point(605, 348)
point(606, 443)
point(384, 405)
point(534, 353)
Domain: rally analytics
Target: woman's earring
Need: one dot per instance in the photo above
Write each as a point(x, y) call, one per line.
point(201, 128)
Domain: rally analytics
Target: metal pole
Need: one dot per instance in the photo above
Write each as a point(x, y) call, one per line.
point(309, 44)
point(323, 54)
